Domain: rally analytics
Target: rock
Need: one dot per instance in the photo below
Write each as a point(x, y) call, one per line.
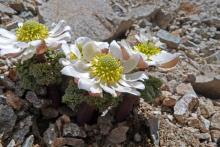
point(172, 135)
point(49, 112)
point(58, 142)
point(22, 129)
point(169, 102)
point(208, 86)
point(215, 134)
point(154, 124)
point(17, 5)
point(213, 21)
point(203, 136)
point(194, 122)
point(7, 83)
point(171, 40)
point(13, 101)
point(183, 89)
point(50, 135)
point(118, 135)
point(33, 99)
point(137, 137)
point(215, 121)
point(7, 120)
point(206, 107)
point(29, 141)
point(205, 124)
point(11, 144)
point(184, 106)
point(163, 19)
point(7, 10)
point(95, 19)
point(105, 124)
point(214, 58)
point(73, 130)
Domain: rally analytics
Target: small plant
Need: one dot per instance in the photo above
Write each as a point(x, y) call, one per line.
point(74, 96)
point(152, 89)
point(34, 74)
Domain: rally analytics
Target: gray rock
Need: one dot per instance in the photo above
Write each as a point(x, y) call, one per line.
point(105, 124)
point(203, 136)
point(213, 21)
point(73, 130)
point(215, 134)
point(184, 106)
point(33, 99)
point(95, 19)
point(137, 137)
point(22, 129)
point(215, 121)
point(206, 107)
point(7, 10)
point(7, 120)
point(208, 85)
point(50, 134)
point(118, 135)
point(29, 141)
point(7, 83)
point(171, 40)
point(214, 58)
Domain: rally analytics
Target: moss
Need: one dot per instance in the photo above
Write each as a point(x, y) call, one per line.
point(33, 74)
point(74, 96)
point(152, 89)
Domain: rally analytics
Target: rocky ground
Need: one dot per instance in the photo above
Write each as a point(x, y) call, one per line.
point(186, 114)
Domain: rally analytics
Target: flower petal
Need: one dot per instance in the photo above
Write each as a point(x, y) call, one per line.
point(108, 90)
point(131, 63)
point(166, 60)
point(9, 49)
point(81, 41)
point(123, 89)
point(89, 50)
point(4, 40)
point(64, 61)
point(86, 84)
point(61, 31)
point(115, 50)
point(137, 85)
point(101, 45)
point(65, 48)
point(96, 89)
point(60, 25)
point(75, 50)
point(70, 70)
point(7, 34)
point(140, 75)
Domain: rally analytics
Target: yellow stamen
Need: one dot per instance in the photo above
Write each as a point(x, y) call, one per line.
point(32, 30)
point(107, 68)
point(147, 48)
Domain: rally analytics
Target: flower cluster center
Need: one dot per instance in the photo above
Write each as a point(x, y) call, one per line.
point(32, 30)
point(147, 48)
point(107, 68)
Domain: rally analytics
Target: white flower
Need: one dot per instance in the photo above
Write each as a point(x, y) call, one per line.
point(29, 36)
point(152, 51)
point(103, 67)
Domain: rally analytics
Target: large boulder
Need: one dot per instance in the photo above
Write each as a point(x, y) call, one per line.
point(97, 19)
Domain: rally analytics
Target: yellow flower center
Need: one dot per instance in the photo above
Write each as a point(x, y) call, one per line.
point(73, 56)
point(147, 48)
point(32, 30)
point(107, 68)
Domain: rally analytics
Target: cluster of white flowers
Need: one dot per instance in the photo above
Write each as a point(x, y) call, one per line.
point(97, 67)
